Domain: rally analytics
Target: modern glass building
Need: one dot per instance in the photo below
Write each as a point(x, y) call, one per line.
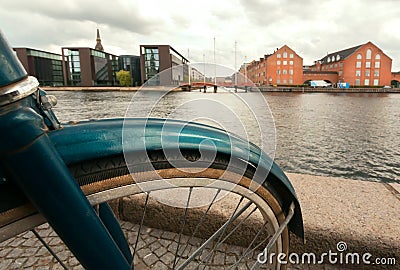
point(131, 63)
point(45, 66)
point(157, 58)
point(89, 67)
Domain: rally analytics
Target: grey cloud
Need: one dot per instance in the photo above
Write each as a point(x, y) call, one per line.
point(266, 13)
point(111, 13)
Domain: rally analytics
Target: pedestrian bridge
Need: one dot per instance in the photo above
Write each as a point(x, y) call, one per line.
point(205, 85)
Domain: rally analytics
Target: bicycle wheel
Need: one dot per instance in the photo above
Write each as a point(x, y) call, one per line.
point(228, 232)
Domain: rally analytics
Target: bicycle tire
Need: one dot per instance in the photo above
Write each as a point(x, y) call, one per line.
point(104, 179)
point(109, 180)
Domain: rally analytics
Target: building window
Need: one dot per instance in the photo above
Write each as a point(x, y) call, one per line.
point(278, 62)
point(285, 62)
point(357, 81)
point(152, 63)
point(291, 55)
point(367, 64)
point(290, 81)
point(376, 73)
point(337, 57)
point(278, 71)
point(367, 73)
point(285, 55)
point(291, 62)
point(340, 73)
point(284, 71)
point(278, 55)
point(278, 81)
point(329, 59)
point(368, 54)
point(358, 64)
point(341, 64)
point(376, 82)
point(377, 64)
point(377, 56)
point(358, 73)
point(284, 81)
point(74, 67)
point(366, 82)
point(291, 71)
point(359, 56)
point(335, 65)
point(333, 58)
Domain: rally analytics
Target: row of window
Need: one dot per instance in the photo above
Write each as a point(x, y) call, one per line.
point(44, 55)
point(284, 62)
point(367, 82)
point(368, 64)
point(368, 55)
point(285, 54)
point(367, 73)
point(284, 71)
point(278, 72)
point(98, 54)
point(278, 81)
point(332, 66)
point(333, 58)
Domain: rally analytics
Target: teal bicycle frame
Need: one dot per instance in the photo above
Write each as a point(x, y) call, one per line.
point(35, 150)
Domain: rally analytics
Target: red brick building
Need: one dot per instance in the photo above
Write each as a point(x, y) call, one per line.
point(283, 67)
point(362, 65)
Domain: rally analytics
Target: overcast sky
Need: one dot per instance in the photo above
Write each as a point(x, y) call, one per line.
point(312, 28)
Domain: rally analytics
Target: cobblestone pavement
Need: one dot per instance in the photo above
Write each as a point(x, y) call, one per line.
point(156, 250)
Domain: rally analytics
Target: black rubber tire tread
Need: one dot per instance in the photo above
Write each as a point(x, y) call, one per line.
point(104, 168)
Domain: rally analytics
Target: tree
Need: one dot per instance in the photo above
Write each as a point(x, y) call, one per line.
point(124, 77)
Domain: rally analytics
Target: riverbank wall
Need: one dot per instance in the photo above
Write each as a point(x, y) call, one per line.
point(262, 89)
point(89, 88)
point(328, 90)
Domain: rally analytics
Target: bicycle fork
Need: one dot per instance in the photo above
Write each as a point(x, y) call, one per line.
point(31, 160)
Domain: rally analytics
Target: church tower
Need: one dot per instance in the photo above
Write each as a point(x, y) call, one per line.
point(99, 47)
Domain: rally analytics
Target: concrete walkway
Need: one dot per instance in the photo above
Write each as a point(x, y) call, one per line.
point(363, 216)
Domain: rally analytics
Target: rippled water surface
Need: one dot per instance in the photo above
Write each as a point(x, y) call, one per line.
point(354, 136)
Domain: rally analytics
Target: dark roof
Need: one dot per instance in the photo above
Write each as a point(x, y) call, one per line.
point(342, 54)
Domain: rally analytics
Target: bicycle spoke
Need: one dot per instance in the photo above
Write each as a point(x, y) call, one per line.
point(217, 233)
point(229, 234)
point(247, 251)
point(48, 248)
point(235, 228)
point(140, 227)
point(200, 223)
point(183, 227)
point(220, 236)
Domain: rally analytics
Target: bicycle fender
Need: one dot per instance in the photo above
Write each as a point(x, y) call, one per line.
point(93, 139)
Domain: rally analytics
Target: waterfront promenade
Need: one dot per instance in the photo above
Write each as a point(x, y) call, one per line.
point(364, 215)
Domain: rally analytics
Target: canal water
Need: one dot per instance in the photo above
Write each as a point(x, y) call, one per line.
point(355, 136)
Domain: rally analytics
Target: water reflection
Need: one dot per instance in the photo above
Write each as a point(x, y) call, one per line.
point(345, 135)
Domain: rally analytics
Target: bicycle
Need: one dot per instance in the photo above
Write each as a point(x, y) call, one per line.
point(66, 175)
